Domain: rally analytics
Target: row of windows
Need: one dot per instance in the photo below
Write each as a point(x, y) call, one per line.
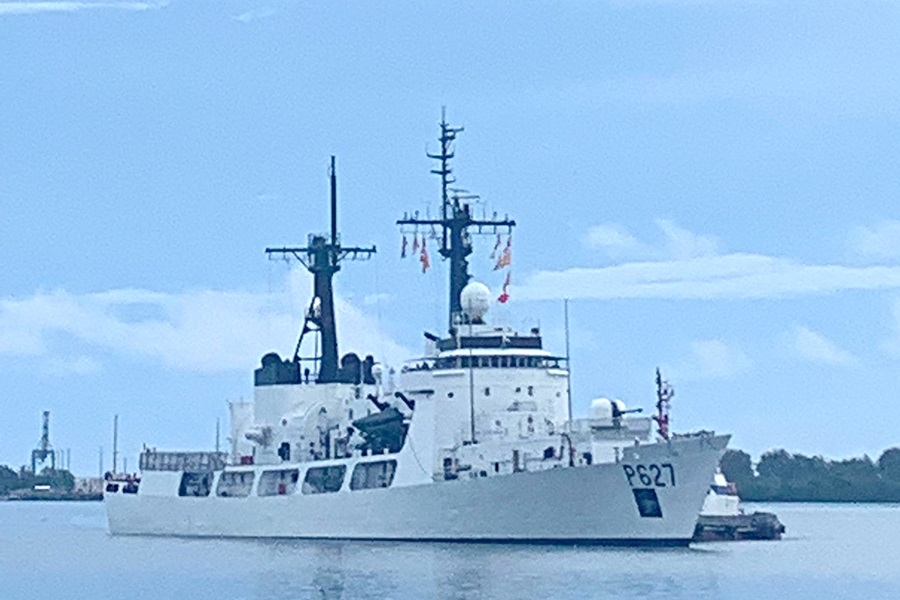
point(283, 482)
point(465, 362)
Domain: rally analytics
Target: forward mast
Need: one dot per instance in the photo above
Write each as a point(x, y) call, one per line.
point(322, 256)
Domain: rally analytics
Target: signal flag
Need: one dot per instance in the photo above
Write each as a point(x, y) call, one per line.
point(505, 257)
point(423, 256)
point(504, 296)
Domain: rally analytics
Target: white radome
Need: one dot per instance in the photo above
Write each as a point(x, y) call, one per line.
point(475, 300)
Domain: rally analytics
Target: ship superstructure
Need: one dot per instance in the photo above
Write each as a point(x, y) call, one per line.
point(474, 443)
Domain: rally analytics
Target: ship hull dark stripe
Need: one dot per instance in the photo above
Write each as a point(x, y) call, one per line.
point(615, 542)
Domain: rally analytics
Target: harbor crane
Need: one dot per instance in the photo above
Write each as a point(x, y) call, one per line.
point(44, 449)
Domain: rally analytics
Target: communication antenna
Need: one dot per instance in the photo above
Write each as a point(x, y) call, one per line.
point(115, 444)
point(568, 364)
point(455, 222)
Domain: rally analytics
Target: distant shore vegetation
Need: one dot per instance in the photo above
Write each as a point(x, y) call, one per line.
point(780, 476)
point(11, 480)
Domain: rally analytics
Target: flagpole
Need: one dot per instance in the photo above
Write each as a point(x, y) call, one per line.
point(568, 364)
point(471, 391)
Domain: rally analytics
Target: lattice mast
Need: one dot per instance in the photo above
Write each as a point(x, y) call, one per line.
point(456, 219)
point(322, 257)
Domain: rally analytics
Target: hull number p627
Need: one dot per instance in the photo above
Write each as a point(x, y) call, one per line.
point(653, 475)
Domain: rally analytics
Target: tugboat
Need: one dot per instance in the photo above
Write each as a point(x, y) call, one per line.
point(474, 443)
point(722, 518)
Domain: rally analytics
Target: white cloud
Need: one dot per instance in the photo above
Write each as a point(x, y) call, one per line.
point(24, 8)
point(254, 15)
point(686, 265)
point(881, 241)
point(681, 243)
point(729, 276)
point(711, 359)
point(78, 365)
point(892, 345)
point(201, 330)
point(815, 347)
point(615, 240)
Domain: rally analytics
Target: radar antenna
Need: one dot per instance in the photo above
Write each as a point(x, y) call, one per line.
point(322, 257)
point(456, 219)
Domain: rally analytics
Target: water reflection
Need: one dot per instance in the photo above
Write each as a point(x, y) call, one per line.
point(329, 570)
point(64, 551)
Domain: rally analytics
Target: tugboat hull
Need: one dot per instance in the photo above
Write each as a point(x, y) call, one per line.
point(754, 526)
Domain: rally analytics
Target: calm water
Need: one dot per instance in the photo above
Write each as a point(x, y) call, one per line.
point(62, 550)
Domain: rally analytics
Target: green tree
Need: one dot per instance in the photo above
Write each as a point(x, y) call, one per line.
point(9, 479)
point(776, 465)
point(58, 479)
point(889, 464)
point(737, 468)
point(62, 480)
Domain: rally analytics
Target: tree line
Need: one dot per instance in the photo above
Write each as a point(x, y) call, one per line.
point(11, 480)
point(780, 476)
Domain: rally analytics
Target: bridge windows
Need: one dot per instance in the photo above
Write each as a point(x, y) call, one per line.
point(487, 362)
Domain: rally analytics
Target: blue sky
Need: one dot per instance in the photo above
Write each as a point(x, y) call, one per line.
point(714, 184)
